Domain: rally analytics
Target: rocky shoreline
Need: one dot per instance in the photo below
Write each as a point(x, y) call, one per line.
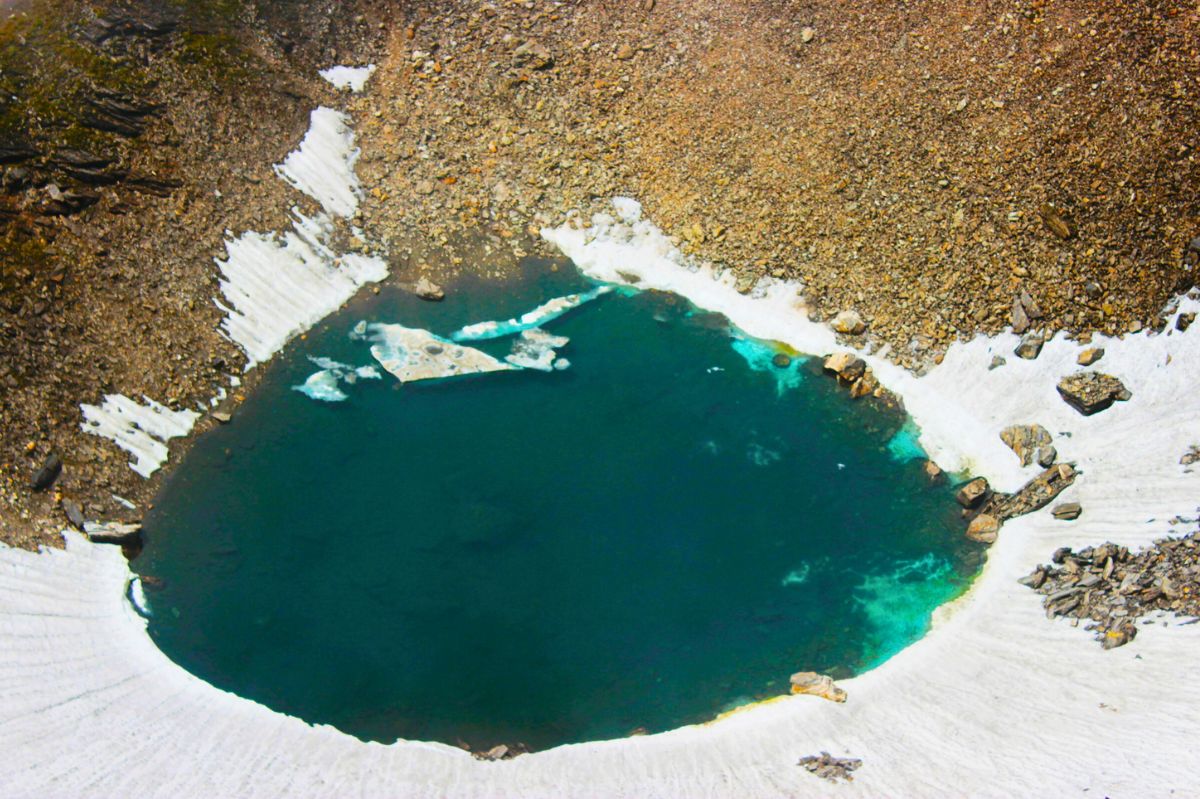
point(499, 117)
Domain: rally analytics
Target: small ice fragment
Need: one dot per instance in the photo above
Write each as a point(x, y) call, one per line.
point(534, 349)
point(322, 385)
point(562, 364)
point(359, 331)
point(122, 501)
point(137, 596)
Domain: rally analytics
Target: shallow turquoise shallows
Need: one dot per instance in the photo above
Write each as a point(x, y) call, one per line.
point(663, 531)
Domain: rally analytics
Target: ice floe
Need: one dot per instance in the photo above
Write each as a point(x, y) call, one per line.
point(411, 354)
point(142, 430)
point(546, 312)
point(276, 287)
point(535, 349)
point(352, 78)
point(325, 385)
point(323, 166)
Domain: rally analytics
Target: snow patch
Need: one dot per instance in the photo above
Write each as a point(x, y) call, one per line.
point(323, 166)
point(352, 78)
point(141, 430)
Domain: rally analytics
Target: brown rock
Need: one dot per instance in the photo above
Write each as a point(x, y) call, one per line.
point(973, 493)
point(1067, 511)
point(809, 682)
point(1090, 356)
point(1055, 222)
point(984, 528)
point(1092, 392)
point(1026, 440)
point(849, 322)
point(846, 365)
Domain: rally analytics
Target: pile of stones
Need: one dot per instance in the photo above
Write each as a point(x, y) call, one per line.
point(1112, 588)
point(831, 768)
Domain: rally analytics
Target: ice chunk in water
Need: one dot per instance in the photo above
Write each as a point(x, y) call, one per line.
point(546, 312)
point(535, 349)
point(413, 354)
point(322, 385)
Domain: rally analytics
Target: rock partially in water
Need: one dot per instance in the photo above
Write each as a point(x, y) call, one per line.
point(1092, 392)
point(426, 289)
point(119, 533)
point(973, 494)
point(822, 685)
point(846, 365)
point(984, 528)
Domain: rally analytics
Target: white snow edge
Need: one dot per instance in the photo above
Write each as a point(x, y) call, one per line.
point(994, 701)
point(351, 78)
point(141, 430)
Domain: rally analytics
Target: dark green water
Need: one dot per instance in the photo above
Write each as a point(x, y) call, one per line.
point(655, 535)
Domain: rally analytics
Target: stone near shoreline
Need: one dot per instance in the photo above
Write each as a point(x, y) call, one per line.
point(973, 494)
point(984, 528)
point(1034, 495)
point(426, 289)
point(846, 365)
point(822, 685)
point(1092, 392)
point(119, 533)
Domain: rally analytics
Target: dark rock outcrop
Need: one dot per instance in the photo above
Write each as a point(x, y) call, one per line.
point(119, 533)
point(47, 473)
point(1092, 392)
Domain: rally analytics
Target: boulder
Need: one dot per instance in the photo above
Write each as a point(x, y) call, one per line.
point(1092, 392)
point(119, 533)
point(1046, 456)
point(973, 493)
point(1020, 320)
point(933, 471)
point(74, 513)
point(47, 473)
point(822, 685)
point(1030, 346)
point(222, 417)
point(1184, 321)
point(867, 384)
point(1026, 440)
point(849, 322)
point(984, 528)
point(1090, 356)
point(1035, 494)
point(426, 289)
point(846, 365)
point(1067, 511)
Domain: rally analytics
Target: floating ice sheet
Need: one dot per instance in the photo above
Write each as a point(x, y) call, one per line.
point(546, 312)
point(352, 78)
point(323, 166)
point(535, 349)
point(141, 430)
point(325, 385)
point(276, 288)
point(412, 354)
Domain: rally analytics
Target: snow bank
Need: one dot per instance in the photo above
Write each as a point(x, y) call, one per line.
point(323, 166)
point(352, 78)
point(996, 701)
point(278, 287)
point(141, 430)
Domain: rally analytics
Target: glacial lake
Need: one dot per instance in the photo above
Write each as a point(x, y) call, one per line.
point(663, 531)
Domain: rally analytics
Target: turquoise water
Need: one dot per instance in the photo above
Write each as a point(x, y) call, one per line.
point(666, 529)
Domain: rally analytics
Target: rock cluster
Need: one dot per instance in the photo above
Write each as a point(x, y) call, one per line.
point(1031, 442)
point(987, 510)
point(1092, 392)
point(822, 685)
point(831, 768)
point(1111, 587)
point(501, 752)
point(853, 371)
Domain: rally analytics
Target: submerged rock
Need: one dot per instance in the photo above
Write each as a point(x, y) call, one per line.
point(1092, 392)
point(822, 685)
